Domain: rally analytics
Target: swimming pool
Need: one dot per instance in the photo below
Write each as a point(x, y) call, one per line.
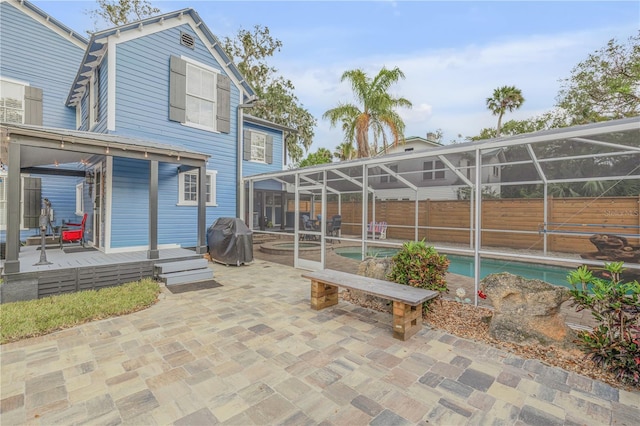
point(464, 265)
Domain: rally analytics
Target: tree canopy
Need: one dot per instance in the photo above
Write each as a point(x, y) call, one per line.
point(375, 112)
point(604, 86)
point(505, 98)
point(321, 156)
point(276, 102)
point(119, 12)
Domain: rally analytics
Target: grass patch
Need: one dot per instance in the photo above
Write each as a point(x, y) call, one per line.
point(20, 320)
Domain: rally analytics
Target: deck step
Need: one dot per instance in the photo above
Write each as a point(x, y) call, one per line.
point(183, 265)
point(186, 276)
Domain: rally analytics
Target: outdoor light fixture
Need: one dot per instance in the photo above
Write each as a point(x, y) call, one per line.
point(107, 150)
point(62, 144)
point(146, 154)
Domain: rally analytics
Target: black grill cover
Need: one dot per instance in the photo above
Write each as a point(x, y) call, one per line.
point(230, 241)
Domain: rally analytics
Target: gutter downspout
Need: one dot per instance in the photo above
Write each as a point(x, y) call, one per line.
point(240, 155)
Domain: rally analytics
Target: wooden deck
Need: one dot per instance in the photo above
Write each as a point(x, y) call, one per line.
point(69, 272)
point(30, 255)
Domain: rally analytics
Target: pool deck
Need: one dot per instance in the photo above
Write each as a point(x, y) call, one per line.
point(253, 352)
point(576, 320)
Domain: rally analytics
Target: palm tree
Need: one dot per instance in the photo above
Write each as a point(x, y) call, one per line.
point(377, 113)
point(345, 151)
point(505, 98)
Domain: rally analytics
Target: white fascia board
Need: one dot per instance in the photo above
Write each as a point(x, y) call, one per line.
point(111, 85)
point(47, 23)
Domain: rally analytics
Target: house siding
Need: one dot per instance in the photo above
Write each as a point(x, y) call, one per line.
point(44, 59)
point(142, 110)
point(250, 168)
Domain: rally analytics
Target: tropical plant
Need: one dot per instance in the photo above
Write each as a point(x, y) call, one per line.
point(614, 344)
point(505, 98)
point(375, 112)
point(420, 265)
point(345, 151)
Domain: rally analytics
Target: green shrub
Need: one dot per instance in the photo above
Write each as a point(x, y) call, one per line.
point(419, 265)
point(614, 344)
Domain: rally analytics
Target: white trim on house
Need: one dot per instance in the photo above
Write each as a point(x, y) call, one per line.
point(111, 85)
point(212, 175)
point(108, 187)
point(79, 199)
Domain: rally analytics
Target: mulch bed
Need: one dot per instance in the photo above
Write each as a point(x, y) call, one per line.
point(470, 322)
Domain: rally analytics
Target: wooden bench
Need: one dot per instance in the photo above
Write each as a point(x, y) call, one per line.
point(407, 300)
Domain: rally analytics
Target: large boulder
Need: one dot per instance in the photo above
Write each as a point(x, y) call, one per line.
point(527, 311)
point(372, 267)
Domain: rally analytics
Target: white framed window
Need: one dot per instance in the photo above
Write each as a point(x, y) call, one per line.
point(11, 102)
point(433, 170)
point(201, 97)
point(188, 188)
point(496, 171)
point(258, 147)
point(389, 178)
point(80, 199)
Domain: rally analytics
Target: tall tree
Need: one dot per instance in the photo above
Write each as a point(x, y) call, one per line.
point(505, 98)
point(277, 101)
point(321, 156)
point(378, 110)
point(604, 86)
point(119, 12)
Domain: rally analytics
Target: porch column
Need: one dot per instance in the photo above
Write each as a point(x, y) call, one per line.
point(153, 252)
point(11, 263)
point(201, 246)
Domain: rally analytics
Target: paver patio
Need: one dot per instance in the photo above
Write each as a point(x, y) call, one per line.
point(253, 352)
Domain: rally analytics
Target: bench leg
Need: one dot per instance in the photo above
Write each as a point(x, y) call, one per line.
point(323, 295)
point(407, 320)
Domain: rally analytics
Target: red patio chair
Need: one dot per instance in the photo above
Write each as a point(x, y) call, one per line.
point(73, 235)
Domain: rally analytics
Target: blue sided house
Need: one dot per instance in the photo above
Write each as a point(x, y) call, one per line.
point(143, 132)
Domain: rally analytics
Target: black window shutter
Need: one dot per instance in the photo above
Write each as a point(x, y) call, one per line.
point(32, 202)
point(178, 90)
point(247, 145)
point(32, 105)
point(268, 150)
point(223, 116)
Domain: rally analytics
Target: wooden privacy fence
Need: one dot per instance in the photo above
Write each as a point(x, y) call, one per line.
point(512, 223)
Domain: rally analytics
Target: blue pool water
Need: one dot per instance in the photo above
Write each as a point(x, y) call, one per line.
point(464, 265)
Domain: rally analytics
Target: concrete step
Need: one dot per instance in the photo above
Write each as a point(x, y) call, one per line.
point(186, 276)
point(182, 265)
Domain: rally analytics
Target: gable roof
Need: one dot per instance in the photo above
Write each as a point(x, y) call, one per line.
point(49, 21)
point(97, 48)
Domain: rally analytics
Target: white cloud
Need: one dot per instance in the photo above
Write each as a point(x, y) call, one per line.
point(448, 87)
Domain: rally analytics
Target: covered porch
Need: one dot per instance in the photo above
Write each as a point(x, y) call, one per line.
point(47, 152)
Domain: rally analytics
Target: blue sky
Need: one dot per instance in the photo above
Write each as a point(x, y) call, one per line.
point(453, 53)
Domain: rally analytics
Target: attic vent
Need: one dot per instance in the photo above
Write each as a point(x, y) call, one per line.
point(187, 40)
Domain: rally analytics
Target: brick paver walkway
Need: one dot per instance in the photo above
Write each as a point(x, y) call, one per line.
point(253, 352)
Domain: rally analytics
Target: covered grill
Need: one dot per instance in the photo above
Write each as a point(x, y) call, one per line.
point(230, 241)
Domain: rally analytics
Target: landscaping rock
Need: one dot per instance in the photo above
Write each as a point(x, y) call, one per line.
point(527, 311)
point(373, 267)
